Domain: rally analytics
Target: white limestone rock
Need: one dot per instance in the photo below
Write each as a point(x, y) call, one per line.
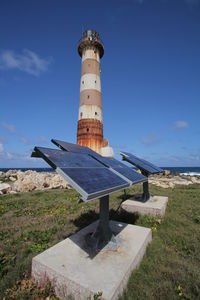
point(11, 178)
point(5, 188)
point(12, 192)
point(10, 173)
point(32, 180)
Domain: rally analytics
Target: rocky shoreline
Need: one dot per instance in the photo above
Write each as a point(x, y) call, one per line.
point(15, 181)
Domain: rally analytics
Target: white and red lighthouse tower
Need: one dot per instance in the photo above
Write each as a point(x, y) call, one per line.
point(90, 121)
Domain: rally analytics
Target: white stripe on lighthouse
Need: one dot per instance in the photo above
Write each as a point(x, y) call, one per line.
point(90, 53)
point(90, 112)
point(90, 82)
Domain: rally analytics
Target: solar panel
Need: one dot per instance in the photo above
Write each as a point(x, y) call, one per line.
point(88, 176)
point(121, 169)
point(142, 164)
point(72, 147)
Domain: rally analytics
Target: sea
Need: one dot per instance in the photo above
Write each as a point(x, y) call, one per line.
point(187, 171)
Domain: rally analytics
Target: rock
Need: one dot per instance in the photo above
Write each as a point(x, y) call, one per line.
point(57, 182)
point(13, 192)
point(195, 179)
point(171, 184)
point(2, 174)
point(163, 185)
point(167, 172)
point(1, 193)
point(32, 180)
point(11, 178)
point(25, 183)
point(181, 181)
point(10, 173)
point(5, 188)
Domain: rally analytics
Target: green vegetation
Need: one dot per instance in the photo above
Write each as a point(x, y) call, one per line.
point(32, 222)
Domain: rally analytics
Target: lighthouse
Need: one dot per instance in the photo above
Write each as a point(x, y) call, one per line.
point(90, 119)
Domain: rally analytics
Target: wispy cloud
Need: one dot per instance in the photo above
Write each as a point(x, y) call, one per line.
point(12, 129)
point(28, 62)
point(43, 140)
point(181, 124)
point(5, 155)
point(150, 140)
point(24, 140)
point(195, 157)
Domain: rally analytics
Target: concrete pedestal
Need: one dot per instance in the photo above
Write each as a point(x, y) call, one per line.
point(75, 271)
point(155, 206)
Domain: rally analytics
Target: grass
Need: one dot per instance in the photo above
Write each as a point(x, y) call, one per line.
point(32, 222)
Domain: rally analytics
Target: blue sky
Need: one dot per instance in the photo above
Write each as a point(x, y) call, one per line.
point(150, 76)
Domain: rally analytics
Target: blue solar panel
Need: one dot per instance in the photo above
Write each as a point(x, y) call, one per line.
point(72, 147)
point(141, 163)
point(64, 159)
point(88, 176)
point(121, 169)
point(125, 172)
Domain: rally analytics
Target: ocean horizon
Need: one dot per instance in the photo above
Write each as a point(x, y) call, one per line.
point(187, 171)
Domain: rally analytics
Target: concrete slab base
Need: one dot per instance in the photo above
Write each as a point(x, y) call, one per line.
point(155, 206)
point(77, 273)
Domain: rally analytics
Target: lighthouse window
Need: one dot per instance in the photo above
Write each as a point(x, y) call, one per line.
point(95, 81)
point(95, 113)
point(88, 96)
point(83, 82)
point(87, 129)
point(81, 114)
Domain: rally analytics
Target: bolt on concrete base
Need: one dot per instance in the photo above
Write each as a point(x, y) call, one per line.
point(75, 271)
point(155, 206)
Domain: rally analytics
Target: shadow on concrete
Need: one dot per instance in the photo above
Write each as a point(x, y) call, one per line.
point(86, 225)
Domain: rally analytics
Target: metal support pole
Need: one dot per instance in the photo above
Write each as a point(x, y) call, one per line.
point(146, 194)
point(103, 234)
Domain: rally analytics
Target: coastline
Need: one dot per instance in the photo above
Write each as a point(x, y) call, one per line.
point(15, 181)
point(186, 171)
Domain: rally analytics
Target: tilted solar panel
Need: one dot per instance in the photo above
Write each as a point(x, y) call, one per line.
point(141, 163)
point(72, 147)
point(88, 176)
point(121, 169)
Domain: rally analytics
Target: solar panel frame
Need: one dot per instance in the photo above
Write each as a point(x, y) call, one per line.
point(67, 170)
point(142, 164)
